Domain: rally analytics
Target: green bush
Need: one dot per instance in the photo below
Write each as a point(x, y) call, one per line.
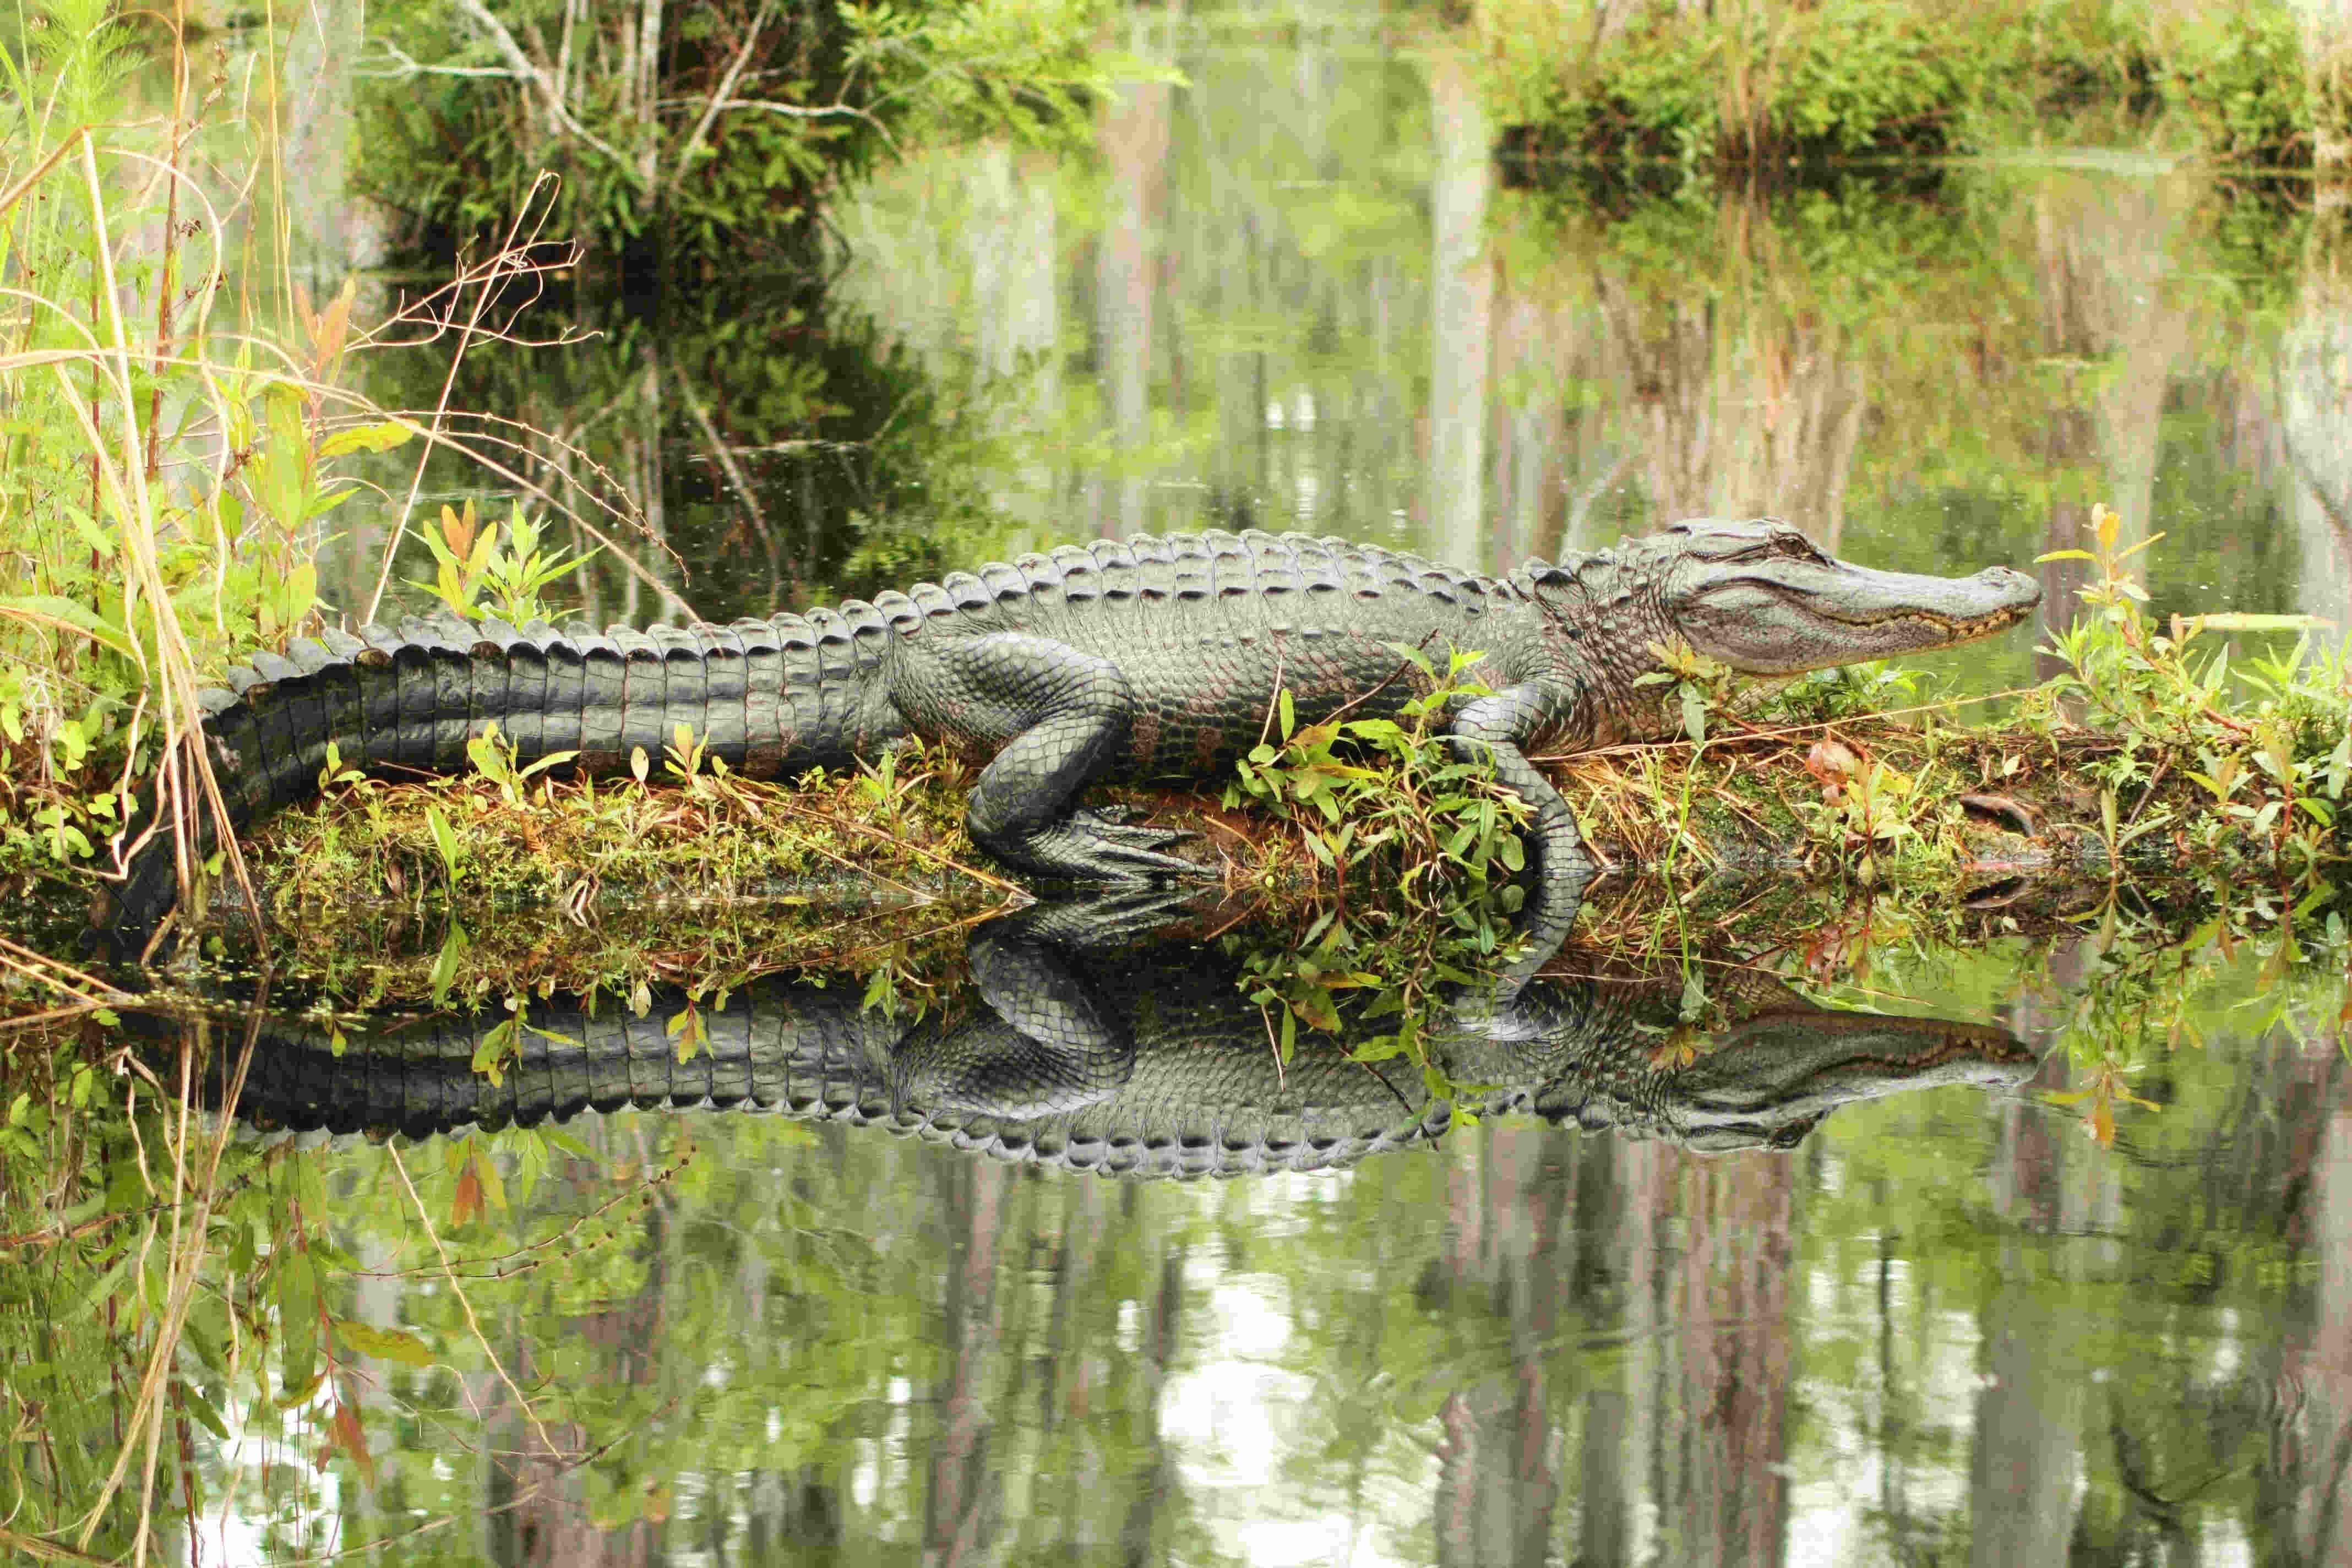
point(1773, 81)
point(719, 151)
point(1866, 75)
point(2237, 73)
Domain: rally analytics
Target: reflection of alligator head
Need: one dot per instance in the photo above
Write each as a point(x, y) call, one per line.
point(1149, 1064)
point(1769, 1079)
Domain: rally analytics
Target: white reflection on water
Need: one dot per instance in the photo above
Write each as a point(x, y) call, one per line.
point(1237, 1420)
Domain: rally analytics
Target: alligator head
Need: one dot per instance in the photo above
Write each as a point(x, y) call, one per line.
point(1764, 599)
point(1769, 1080)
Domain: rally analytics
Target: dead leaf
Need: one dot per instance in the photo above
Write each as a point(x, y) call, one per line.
point(469, 1202)
point(1832, 764)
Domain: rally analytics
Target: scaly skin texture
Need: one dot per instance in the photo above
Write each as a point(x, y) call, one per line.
point(1150, 1064)
point(1146, 660)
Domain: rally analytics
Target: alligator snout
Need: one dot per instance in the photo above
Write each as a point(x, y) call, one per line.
point(2013, 586)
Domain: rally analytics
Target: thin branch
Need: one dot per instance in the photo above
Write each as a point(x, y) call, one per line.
point(449, 1273)
point(476, 12)
point(795, 111)
point(720, 98)
point(515, 246)
point(405, 65)
point(826, 112)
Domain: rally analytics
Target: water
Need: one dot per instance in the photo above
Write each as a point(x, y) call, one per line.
point(1939, 1323)
point(1946, 1325)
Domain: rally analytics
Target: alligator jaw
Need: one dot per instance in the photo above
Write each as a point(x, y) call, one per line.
point(1788, 1067)
point(1766, 600)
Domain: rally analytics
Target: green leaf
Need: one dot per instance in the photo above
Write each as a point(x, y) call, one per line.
point(494, 1186)
point(53, 608)
point(1414, 657)
point(202, 1409)
point(497, 1044)
point(1314, 1005)
point(1694, 714)
point(327, 501)
point(445, 839)
point(444, 962)
point(1285, 713)
point(298, 1320)
point(384, 1345)
point(382, 437)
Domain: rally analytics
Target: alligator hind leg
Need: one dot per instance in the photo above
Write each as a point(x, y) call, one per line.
point(1061, 717)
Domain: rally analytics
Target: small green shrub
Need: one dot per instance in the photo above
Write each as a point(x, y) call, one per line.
point(1767, 83)
point(1773, 81)
point(1867, 76)
point(2237, 72)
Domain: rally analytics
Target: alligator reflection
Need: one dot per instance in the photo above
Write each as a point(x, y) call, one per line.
point(1147, 1063)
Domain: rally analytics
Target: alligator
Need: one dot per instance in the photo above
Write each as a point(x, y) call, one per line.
point(1146, 1063)
point(1148, 659)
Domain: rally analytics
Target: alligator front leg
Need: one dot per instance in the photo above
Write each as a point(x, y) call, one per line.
point(1495, 727)
point(1060, 716)
point(1048, 1046)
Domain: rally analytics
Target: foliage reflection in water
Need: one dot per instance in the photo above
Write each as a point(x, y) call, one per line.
point(766, 1329)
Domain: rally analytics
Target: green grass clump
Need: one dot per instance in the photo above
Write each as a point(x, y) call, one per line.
point(499, 880)
point(169, 464)
point(1774, 82)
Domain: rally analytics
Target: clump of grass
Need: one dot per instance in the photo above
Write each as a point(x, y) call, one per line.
point(500, 836)
point(177, 437)
point(442, 887)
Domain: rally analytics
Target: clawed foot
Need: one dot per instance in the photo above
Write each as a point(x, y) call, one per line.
point(1109, 917)
point(1088, 847)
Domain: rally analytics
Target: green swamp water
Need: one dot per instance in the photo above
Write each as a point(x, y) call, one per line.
point(1945, 1326)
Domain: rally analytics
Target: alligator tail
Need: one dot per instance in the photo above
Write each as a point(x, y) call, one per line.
point(769, 697)
point(790, 1052)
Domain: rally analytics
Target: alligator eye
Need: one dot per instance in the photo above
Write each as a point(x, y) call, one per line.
point(1796, 546)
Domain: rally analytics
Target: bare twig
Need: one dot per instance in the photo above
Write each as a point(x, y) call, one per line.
point(489, 279)
point(449, 1273)
point(558, 111)
point(405, 65)
point(719, 97)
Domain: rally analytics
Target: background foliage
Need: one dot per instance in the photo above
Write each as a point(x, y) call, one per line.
point(697, 141)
